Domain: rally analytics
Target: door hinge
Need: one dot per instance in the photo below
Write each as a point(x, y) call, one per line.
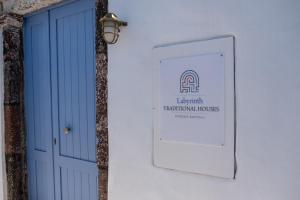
point(54, 141)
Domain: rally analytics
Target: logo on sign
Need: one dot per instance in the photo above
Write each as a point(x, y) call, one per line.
point(189, 82)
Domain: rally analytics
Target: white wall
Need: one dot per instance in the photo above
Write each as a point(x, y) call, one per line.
point(268, 95)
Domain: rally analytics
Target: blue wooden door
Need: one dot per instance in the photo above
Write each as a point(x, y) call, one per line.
point(38, 108)
point(71, 124)
point(73, 88)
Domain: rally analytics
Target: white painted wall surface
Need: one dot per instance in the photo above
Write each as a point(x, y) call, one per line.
point(268, 95)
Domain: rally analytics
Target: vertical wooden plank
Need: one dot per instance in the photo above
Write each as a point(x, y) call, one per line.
point(93, 187)
point(75, 80)
point(45, 86)
point(33, 179)
point(42, 184)
point(78, 185)
point(64, 183)
point(91, 77)
point(58, 26)
point(82, 87)
point(41, 80)
point(93, 132)
point(71, 181)
point(68, 83)
point(35, 86)
point(85, 186)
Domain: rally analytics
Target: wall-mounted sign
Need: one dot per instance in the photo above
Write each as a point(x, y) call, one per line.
point(194, 99)
point(194, 107)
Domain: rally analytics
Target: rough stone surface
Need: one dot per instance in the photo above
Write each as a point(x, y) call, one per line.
point(15, 150)
point(15, 153)
point(26, 6)
point(101, 102)
point(11, 20)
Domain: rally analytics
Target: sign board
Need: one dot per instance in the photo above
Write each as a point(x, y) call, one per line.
point(194, 107)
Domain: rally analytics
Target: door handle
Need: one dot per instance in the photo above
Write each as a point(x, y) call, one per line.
point(67, 130)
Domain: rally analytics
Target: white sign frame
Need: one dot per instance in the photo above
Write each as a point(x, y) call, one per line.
point(206, 159)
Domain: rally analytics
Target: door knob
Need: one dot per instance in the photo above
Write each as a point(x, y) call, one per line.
point(67, 130)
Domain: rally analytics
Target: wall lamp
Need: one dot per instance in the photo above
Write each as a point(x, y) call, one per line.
point(111, 27)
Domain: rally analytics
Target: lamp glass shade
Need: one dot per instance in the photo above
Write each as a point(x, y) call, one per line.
point(110, 31)
point(110, 38)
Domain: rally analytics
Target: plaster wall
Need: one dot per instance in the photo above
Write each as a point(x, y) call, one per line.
point(268, 84)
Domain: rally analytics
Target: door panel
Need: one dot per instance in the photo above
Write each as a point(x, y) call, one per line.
point(38, 107)
point(60, 93)
point(73, 72)
point(77, 184)
point(76, 86)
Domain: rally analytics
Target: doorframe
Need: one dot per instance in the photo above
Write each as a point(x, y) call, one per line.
point(17, 184)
